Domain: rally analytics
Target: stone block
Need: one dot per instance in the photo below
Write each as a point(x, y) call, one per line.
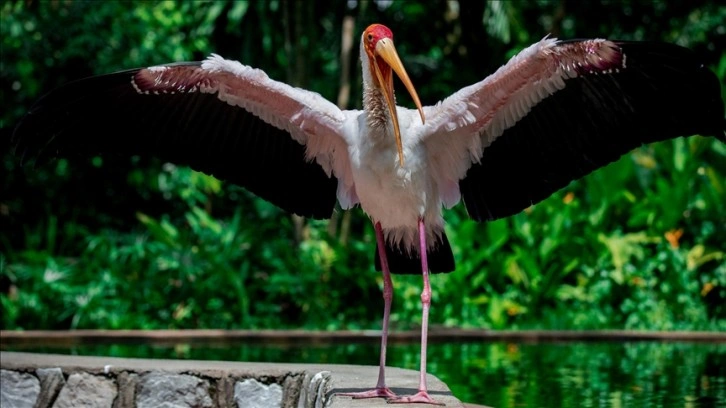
point(251, 393)
point(83, 390)
point(51, 383)
point(126, 390)
point(18, 390)
point(159, 390)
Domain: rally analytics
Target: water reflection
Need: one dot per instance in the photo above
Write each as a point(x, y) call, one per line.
point(503, 374)
point(586, 374)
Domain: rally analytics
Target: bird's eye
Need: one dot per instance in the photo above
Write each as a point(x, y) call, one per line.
point(370, 37)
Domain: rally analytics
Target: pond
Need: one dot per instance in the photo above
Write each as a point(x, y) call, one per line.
point(498, 373)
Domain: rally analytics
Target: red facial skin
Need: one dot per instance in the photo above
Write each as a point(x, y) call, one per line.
point(373, 34)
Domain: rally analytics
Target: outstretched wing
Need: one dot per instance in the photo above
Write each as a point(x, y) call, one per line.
point(560, 110)
point(284, 144)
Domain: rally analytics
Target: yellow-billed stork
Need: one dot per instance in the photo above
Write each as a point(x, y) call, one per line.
point(555, 112)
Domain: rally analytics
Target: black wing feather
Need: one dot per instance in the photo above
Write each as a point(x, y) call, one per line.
point(402, 262)
point(106, 115)
point(663, 93)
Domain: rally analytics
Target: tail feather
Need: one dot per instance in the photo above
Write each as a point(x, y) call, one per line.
point(440, 259)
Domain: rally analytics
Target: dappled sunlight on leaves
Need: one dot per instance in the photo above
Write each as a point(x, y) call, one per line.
point(624, 247)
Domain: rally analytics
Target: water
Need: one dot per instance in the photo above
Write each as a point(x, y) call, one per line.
point(504, 374)
point(586, 374)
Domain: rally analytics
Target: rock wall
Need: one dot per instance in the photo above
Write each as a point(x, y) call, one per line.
point(59, 381)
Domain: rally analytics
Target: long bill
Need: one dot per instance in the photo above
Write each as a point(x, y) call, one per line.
point(386, 50)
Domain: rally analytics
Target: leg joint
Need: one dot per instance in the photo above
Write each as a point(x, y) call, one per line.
point(426, 297)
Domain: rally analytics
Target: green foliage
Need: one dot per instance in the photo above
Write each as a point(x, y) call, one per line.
point(116, 243)
point(194, 271)
point(598, 253)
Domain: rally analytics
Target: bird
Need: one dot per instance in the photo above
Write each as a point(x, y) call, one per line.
point(555, 112)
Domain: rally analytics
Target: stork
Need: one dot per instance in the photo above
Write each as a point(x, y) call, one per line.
point(555, 112)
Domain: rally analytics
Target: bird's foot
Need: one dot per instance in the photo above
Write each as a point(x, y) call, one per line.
point(379, 392)
point(421, 397)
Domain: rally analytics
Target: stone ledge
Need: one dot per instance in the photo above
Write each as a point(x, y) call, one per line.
point(49, 380)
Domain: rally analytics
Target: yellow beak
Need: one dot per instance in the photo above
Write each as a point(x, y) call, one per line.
point(386, 50)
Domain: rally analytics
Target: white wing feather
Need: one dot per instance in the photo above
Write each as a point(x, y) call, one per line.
point(310, 119)
point(459, 128)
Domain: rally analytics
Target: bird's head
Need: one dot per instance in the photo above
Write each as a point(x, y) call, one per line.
point(383, 60)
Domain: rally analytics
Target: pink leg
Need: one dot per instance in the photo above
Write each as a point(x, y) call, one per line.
point(381, 390)
point(422, 396)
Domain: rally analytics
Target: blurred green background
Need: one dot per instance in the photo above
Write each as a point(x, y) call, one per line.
point(135, 243)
